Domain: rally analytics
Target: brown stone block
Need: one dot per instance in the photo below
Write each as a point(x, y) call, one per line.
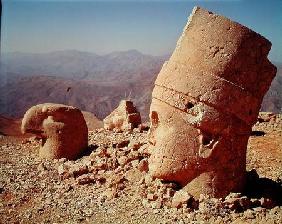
point(124, 117)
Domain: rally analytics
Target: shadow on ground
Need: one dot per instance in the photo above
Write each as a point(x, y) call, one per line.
point(257, 187)
point(88, 150)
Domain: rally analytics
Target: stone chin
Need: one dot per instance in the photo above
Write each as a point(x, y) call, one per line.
point(172, 146)
point(171, 170)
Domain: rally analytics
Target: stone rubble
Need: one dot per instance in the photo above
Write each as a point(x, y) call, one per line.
point(124, 117)
point(111, 183)
point(97, 188)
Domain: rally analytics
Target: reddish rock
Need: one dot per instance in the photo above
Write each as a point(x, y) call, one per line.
point(180, 198)
point(152, 197)
point(143, 165)
point(122, 144)
point(62, 129)
point(85, 179)
point(237, 202)
point(124, 117)
point(134, 145)
point(267, 203)
point(205, 100)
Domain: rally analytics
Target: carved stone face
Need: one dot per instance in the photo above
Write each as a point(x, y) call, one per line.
point(174, 145)
point(195, 141)
point(205, 100)
point(62, 129)
point(200, 161)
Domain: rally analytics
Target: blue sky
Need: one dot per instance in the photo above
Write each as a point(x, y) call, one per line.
point(151, 27)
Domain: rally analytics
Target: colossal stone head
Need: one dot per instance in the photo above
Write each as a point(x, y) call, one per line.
point(205, 100)
point(62, 129)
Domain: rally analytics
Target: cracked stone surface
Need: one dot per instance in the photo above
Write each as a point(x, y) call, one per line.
point(62, 129)
point(205, 100)
point(109, 184)
point(124, 117)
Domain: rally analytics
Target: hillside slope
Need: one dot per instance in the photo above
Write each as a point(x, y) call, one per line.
point(10, 126)
point(59, 77)
point(72, 64)
point(273, 99)
point(20, 93)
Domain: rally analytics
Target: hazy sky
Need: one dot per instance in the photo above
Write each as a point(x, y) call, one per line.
point(151, 27)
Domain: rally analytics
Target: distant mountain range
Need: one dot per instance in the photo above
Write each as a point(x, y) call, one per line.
point(117, 66)
point(273, 99)
point(89, 81)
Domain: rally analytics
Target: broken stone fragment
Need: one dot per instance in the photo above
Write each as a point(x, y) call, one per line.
point(62, 129)
point(205, 100)
point(134, 145)
point(143, 165)
point(180, 198)
point(267, 203)
point(133, 175)
point(152, 197)
point(124, 117)
point(110, 193)
point(86, 179)
point(122, 144)
point(237, 203)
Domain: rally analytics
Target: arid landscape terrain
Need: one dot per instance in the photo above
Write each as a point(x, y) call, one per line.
point(88, 81)
point(65, 77)
point(109, 134)
point(108, 184)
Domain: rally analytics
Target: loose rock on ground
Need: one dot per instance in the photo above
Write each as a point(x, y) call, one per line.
point(109, 184)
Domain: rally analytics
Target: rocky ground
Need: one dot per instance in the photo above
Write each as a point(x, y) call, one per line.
point(109, 184)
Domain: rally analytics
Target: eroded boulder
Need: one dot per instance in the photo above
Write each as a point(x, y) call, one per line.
point(124, 117)
point(205, 100)
point(62, 129)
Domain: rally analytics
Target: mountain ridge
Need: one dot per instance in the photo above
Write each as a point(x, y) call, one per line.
point(120, 75)
point(82, 65)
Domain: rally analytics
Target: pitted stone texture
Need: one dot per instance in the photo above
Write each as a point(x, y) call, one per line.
point(214, 44)
point(124, 117)
point(216, 57)
point(62, 129)
point(205, 100)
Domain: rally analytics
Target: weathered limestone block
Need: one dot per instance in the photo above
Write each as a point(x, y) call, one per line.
point(124, 117)
point(62, 129)
point(205, 100)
